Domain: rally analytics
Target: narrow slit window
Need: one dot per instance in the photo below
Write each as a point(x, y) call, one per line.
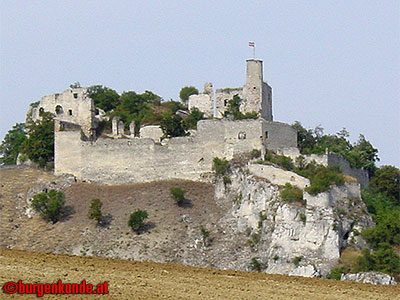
point(76, 95)
point(70, 112)
point(266, 134)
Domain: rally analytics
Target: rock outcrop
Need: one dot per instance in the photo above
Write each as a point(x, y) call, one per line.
point(370, 277)
point(303, 239)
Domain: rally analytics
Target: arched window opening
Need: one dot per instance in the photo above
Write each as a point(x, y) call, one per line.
point(59, 110)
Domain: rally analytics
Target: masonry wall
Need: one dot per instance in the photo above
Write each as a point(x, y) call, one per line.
point(278, 135)
point(126, 160)
point(203, 102)
point(222, 96)
point(360, 174)
point(74, 106)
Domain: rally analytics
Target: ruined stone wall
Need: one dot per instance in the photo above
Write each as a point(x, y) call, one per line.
point(203, 102)
point(153, 132)
point(129, 160)
point(222, 97)
point(360, 174)
point(278, 135)
point(68, 153)
point(72, 106)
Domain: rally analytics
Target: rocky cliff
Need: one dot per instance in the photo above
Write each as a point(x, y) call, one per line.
point(249, 225)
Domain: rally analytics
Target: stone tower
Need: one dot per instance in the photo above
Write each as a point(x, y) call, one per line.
point(257, 94)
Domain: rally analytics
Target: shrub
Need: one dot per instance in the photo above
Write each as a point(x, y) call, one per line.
point(179, 195)
point(281, 160)
point(95, 210)
point(172, 125)
point(136, 220)
point(323, 179)
point(205, 234)
point(195, 116)
point(226, 179)
point(336, 273)
point(220, 166)
point(254, 239)
point(297, 260)
point(292, 193)
point(303, 218)
point(255, 264)
point(276, 257)
point(255, 153)
point(49, 205)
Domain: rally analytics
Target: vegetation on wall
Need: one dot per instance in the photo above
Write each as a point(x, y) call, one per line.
point(233, 110)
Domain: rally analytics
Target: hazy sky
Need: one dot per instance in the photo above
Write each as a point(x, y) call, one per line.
point(330, 63)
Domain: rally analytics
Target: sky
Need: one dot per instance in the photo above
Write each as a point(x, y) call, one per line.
point(332, 64)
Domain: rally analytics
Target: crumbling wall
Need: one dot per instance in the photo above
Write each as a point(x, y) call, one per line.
point(360, 174)
point(129, 160)
point(222, 97)
point(278, 135)
point(72, 106)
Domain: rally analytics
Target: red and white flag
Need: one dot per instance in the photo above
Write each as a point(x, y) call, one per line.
point(251, 44)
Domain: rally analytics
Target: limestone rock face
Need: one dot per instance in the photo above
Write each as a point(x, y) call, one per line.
point(370, 277)
point(294, 238)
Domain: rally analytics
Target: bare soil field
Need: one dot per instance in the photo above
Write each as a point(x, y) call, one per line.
point(146, 281)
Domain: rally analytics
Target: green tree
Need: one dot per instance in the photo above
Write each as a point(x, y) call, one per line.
point(95, 210)
point(136, 220)
point(384, 259)
point(387, 180)
point(103, 97)
point(387, 229)
point(49, 205)
point(305, 138)
point(363, 155)
point(39, 146)
point(12, 144)
point(186, 92)
point(233, 110)
point(172, 125)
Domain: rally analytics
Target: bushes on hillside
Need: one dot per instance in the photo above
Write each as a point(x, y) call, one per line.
point(95, 210)
point(136, 220)
point(49, 205)
point(179, 195)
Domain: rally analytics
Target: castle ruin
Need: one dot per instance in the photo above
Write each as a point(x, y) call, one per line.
point(122, 158)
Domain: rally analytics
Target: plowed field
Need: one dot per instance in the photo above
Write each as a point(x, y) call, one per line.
point(146, 281)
